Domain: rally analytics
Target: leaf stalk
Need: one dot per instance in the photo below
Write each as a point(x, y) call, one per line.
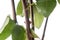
point(14, 12)
point(32, 15)
point(44, 29)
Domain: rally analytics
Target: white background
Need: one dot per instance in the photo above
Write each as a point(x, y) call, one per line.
point(53, 26)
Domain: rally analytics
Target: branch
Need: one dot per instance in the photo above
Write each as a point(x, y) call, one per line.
point(14, 13)
point(44, 29)
point(32, 15)
point(25, 4)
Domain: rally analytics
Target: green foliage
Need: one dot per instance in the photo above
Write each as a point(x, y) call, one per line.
point(18, 33)
point(7, 28)
point(33, 34)
point(59, 1)
point(43, 8)
point(19, 10)
point(46, 6)
point(38, 18)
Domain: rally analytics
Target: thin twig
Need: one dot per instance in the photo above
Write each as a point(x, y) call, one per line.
point(44, 29)
point(14, 13)
point(27, 19)
point(32, 15)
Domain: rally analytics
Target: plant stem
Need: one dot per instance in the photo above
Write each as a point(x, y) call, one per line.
point(27, 19)
point(44, 29)
point(14, 13)
point(32, 15)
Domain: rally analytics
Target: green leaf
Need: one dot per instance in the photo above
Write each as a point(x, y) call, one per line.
point(8, 27)
point(38, 18)
point(46, 6)
point(59, 1)
point(19, 10)
point(18, 33)
point(33, 34)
